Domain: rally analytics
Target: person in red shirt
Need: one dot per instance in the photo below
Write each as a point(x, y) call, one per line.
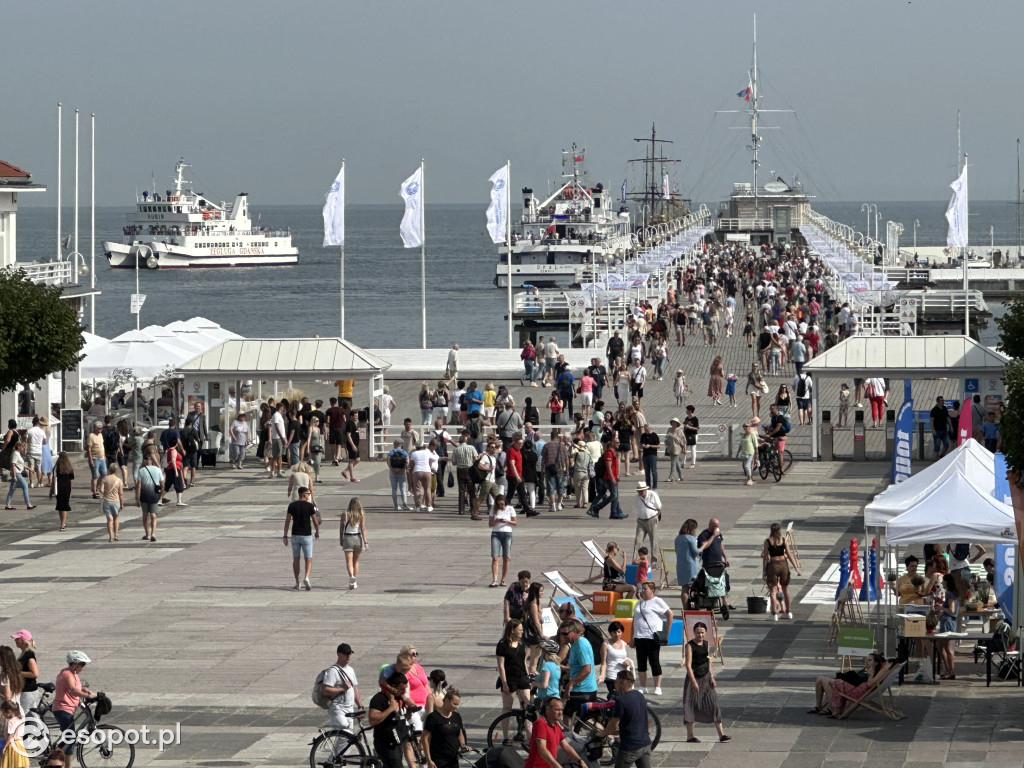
point(608, 483)
point(514, 476)
point(546, 737)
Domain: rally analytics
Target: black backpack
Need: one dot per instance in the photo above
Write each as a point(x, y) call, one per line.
point(801, 387)
point(397, 460)
point(477, 473)
point(189, 439)
point(111, 440)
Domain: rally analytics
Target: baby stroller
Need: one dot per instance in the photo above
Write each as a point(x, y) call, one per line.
point(708, 590)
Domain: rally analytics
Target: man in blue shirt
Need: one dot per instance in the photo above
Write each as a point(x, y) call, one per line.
point(474, 399)
point(628, 720)
point(398, 463)
point(990, 431)
point(582, 677)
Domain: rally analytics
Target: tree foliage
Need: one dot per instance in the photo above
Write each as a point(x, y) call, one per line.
point(39, 331)
point(1011, 425)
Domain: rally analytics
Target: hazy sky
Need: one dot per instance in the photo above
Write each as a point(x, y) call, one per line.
point(267, 97)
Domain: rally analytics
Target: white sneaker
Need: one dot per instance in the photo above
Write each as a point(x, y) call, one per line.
point(182, 504)
point(775, 617)
point(657, 691)
point(642, 689)
point(296, 585)
point(430, 509)
point(352, 584)
point(789, 615)
point(355, 585)
point(306, 585)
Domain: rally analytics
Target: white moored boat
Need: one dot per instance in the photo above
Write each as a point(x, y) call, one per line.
point(185, 229)
point(558, 243)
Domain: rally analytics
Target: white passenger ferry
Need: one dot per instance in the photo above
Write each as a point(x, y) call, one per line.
point(559, 242)
point(185, 229)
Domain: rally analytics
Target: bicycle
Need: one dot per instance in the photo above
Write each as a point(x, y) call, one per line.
point(335, 747)
point(771, 461)
point(515, 727)
point(109, 749)
point(594, 723)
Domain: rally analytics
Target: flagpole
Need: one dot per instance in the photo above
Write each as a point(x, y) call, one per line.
point(342, 286)
point(967, 296)
point(423, 256)
point(508, 242)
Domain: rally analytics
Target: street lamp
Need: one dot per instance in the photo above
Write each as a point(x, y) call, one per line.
point(878, 218)
point(917, 223)
point(866, 208)
point(142, 251)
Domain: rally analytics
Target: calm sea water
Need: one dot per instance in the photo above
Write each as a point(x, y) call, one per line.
point(382, 279)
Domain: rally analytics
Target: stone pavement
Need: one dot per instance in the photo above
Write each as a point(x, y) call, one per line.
point(202, 628)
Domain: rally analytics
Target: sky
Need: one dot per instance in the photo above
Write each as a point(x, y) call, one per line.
point(268, 97)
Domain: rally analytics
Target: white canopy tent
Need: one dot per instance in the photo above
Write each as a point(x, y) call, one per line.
point(969, 460)
point(133, 355)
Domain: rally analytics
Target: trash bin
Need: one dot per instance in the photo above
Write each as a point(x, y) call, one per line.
point(858, 436)
point(890, 433)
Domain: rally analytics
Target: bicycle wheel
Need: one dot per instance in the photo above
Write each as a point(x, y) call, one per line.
point(763, 462)
point(336, 748)
point(776, 466)
point(787, 461)
point(40, 732)
point(106, 747)
point(653, 727)
point(518, 723)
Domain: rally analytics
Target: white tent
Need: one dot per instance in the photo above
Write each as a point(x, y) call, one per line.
point(969, 460)
point(132, 355)
point(92, 342)
point(201, 332)
point(955, 510)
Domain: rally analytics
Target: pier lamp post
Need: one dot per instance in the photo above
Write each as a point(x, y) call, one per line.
point(917, 223)
point(878, 219)
point(866, 208)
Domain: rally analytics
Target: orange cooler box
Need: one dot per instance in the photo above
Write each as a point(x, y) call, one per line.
point(604, 603)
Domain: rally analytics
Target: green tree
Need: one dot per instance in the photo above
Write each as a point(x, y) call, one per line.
point(39, 331)
point(1011, 425)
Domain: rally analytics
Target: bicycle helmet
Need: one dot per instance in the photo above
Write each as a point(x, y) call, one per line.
point(549, 646)
point(77, 657)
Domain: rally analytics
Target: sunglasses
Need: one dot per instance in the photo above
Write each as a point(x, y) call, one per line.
point(414, 653)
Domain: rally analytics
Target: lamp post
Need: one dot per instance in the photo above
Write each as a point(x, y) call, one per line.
point(151, 262)
point(866, 208)
point(878, 219)
point(917, 223)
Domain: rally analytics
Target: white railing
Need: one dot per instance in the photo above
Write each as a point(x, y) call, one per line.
point(47, 273)
point(738, 225)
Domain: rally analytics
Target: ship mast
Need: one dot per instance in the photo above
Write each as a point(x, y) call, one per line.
point(755, 140)
point(654, 167)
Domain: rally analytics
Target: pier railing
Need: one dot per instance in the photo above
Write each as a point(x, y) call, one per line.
point(743, 225)
point(47, 273)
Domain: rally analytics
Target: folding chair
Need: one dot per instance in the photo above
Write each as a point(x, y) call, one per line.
point(878, 697)
point(582, 613)
point(668, 568)
point(597, 562)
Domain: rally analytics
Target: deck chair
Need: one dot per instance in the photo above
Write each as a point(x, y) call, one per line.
point(597, 561)
point(668, 567)
point(581, 613)
point(878, 697)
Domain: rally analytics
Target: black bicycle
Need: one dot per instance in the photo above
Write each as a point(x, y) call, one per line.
point(336, 747)
point(95, 744)
point(771, 461)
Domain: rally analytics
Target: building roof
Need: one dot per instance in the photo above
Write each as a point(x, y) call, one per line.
point(11, 171)
point(291, 358)
point(924, 356)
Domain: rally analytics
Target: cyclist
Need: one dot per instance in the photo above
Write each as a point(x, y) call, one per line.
point(628, 720)
point(546, 737)
point(777, 429)
point(341, 685)
point(66, 696)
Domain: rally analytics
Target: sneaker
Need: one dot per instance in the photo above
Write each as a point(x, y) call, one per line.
point(621, 516)
point(182, 504)
point(354, 585)
point(407, 508)
point(657, 691)
point(789, 615)
point(296, 585)
point(430, 509)
point(306, 585)
point(593, 513)
point(641, 689)
point(775, 617)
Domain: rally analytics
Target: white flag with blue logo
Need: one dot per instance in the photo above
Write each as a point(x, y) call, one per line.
point(412, 222)
point(497, 211)
point(666, 190)
point(956, 213)
point(334, 212)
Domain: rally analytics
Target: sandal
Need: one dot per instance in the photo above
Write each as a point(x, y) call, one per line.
point(63, 527)
point(815, 711)
point(8, 507)
point(694, 740)
point(501, 584)
point(493, 584)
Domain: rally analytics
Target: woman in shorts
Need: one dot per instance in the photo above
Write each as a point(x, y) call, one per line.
point(353, 539)
point(777, 556)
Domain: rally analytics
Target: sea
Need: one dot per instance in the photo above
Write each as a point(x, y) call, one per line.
point(382, 279)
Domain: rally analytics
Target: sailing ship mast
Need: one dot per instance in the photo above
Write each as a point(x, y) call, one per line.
point(654, 161)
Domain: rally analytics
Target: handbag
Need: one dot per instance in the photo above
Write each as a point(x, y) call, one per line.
point(451, 480)
point(764, 387)
point(657, 637)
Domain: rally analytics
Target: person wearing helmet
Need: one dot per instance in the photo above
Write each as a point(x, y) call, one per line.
point(66, 696)
point(549, 673)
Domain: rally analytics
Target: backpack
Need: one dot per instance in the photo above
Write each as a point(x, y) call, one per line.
point(320, 698)
point(801, 387)
point(398, 460)
point(477, 473)
point(961, 551)
point(595, 637)
point(111, 440)
point(601, 468)
point(442, 446)
point(190, 440)
point(785, 424)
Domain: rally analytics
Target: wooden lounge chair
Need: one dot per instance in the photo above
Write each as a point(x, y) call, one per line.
point(581, 612)
point(596, 562)
point(668, 568)
point(878, 697)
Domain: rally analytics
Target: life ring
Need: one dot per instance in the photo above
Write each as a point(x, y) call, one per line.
point(206, 214)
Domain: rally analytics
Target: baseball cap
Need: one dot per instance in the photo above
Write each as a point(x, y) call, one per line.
point(24, 634)
point(345, 648)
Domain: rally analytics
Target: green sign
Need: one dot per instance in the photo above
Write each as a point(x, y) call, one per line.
point(855, 641)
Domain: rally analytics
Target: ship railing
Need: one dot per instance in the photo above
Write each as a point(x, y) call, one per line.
point(47, 272)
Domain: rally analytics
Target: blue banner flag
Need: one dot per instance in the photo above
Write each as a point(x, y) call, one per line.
point(1004, 557)
point(904, 437)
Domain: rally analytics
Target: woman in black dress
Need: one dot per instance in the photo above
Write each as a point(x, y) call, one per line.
point(700, 703)
point(513, 679)
point(65, 474)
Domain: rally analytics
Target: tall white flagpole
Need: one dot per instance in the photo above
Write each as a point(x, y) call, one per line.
point(508, 242)
point(92, 235)
point(343, 258)
point(963, 251)
point(423, 254)
point(60, 132)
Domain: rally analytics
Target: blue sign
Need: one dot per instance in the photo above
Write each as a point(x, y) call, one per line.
point(971, 386)
point(1002, 489)
point(1004, 558)
point(901, 468)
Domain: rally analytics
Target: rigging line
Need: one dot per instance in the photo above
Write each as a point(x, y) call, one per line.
point(713, 158)
point(727, 161)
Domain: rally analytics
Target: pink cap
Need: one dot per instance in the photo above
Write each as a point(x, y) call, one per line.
point(24, 634)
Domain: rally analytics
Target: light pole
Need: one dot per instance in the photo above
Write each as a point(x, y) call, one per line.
point(917, 223)
point(137, 298)
point(878, 219)
point(866, 208)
